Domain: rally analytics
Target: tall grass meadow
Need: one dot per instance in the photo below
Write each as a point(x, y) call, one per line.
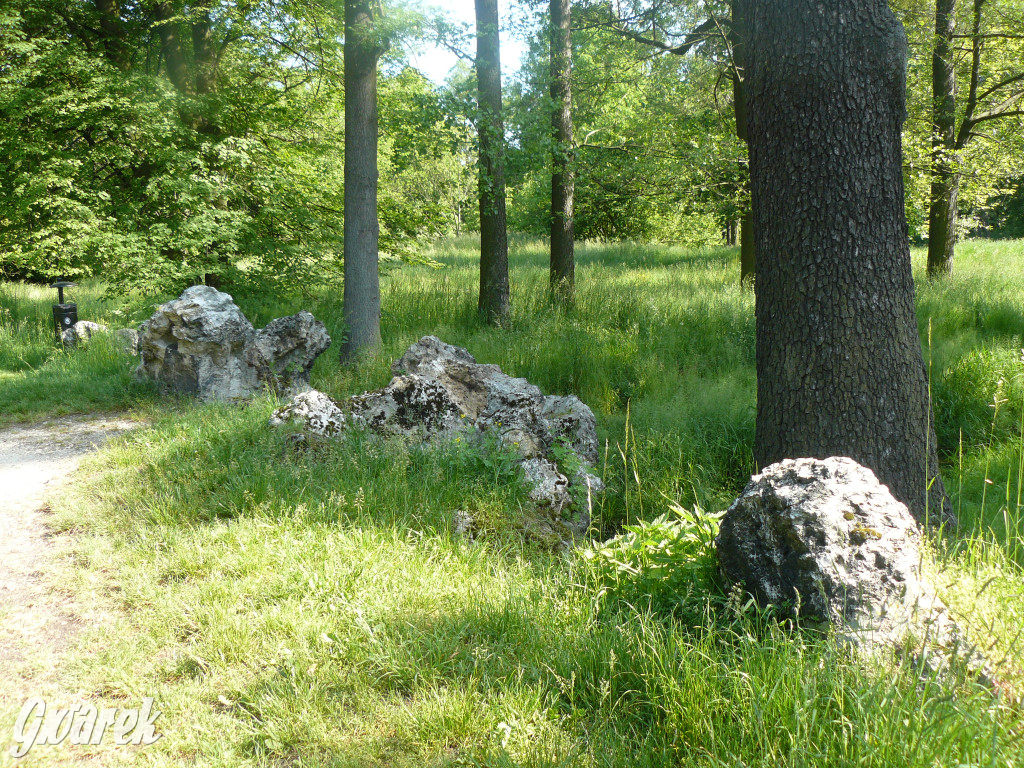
point(318, 608)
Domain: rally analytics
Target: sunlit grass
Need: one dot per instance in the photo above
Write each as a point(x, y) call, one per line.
point(315, 608)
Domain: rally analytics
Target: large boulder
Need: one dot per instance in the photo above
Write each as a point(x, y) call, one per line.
point(440, 391)
point(202, 344)
point(823, 539)
point(523, 417)
point(284, 351)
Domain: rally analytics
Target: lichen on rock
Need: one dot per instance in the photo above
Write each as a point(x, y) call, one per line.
point(823, 539)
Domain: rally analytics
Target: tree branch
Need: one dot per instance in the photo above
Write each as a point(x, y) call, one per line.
point(699, 34)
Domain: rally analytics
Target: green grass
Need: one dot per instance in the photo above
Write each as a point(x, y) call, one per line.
point(315, 608)
point(38, 377)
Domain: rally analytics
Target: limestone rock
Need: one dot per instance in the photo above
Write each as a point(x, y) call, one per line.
point(315, 411)
point(409, 406)
point(463, 523)
point(284, 351)
point(129, 341)
point(83, 330)
point(202, 344)
point(569, 419)
point(826, 538)
point(549, 487)
point(196, 344)
point(439, 391)
point(524, 418)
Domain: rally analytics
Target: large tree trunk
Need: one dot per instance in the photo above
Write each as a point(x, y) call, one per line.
point(942, 213)
point(839, 364)
point(362, 231)
point(739, 38)
point(202, 51)
point(563, 261)
point(747, 258)
point(494, 289)
point(113, 32)
point(170, 47)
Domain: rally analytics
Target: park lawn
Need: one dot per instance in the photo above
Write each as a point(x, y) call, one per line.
point(316, 609)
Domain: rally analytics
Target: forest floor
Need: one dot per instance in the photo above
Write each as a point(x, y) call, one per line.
point(318, 609)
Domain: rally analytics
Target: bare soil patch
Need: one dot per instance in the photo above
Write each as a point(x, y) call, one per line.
point(37, 619)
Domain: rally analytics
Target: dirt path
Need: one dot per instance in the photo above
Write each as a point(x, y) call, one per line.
point(37, 622)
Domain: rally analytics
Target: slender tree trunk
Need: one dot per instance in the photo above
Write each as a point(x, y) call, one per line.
point(494, 286)
point(362, 231)
point(942, 214)
point(740, 40)
point(563, 261)
point(839, 364)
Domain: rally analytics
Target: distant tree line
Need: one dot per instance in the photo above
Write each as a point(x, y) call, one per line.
point(163, 142)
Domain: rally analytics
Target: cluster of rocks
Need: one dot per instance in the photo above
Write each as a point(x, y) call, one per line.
point(440, 391)
point(824, 540)
point(818, 539)
point(201, 344)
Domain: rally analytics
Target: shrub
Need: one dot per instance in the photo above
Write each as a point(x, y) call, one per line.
point(667, 564)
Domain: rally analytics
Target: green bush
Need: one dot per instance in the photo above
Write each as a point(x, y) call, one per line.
point(667, 564)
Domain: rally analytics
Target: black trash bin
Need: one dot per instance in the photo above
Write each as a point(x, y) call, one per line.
point(64, 315)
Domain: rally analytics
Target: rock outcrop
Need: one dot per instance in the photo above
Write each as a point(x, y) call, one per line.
point(440, 391)
point(823, 539)
point(284, 351)
point(202, 344)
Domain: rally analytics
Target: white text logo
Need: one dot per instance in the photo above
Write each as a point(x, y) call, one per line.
point(83, 724)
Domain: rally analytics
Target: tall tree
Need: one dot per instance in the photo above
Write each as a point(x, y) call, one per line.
point(362, 229)
point(991, 95)
point(942, 209)
point(494, 302)
point(839, 364)
point(563, 262)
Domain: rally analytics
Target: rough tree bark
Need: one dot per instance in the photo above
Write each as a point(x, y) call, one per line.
point(494, 303)
point(839, 364)
point(942, 213)
point(563, 262)
point(362, 231)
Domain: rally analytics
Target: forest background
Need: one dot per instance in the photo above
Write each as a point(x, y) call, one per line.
point(160, 144)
